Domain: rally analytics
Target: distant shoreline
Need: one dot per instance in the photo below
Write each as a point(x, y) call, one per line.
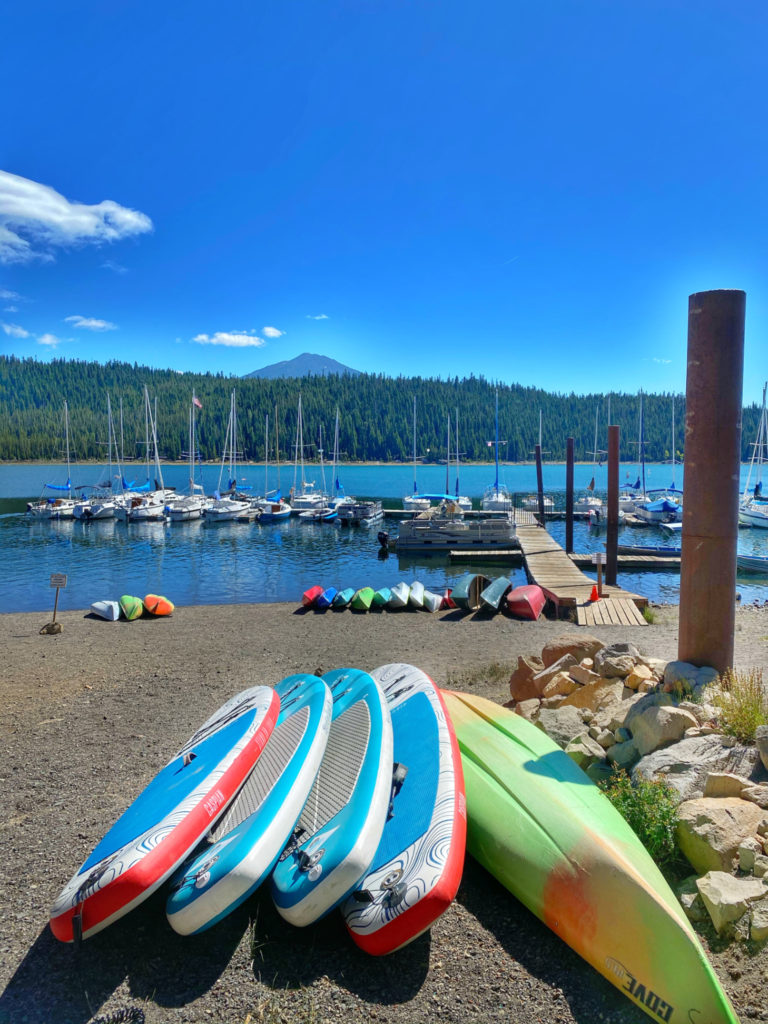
point(308, 465)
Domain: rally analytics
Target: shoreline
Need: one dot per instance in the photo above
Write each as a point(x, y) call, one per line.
point(89, 716)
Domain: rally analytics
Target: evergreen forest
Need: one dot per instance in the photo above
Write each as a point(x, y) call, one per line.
point(376, 415)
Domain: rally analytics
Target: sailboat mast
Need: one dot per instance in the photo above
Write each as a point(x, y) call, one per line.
point(448, 454)
point(415, 488)
point(673, 441)
point(66, 435)
point(277, 455)
point(496, 485)
point(266, 451)
point(457, 451)
point(336, 484)
point(642, 442)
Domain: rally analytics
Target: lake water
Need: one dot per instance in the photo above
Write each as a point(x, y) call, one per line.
point(194, 563)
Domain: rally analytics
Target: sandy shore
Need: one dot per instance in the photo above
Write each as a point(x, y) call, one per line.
point(89, 716)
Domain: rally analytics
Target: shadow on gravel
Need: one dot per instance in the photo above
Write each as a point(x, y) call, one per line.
point(285, 957)
point(55, 982)
point(540, 952)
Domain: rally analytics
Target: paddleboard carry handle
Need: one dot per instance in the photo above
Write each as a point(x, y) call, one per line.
point(399, 772)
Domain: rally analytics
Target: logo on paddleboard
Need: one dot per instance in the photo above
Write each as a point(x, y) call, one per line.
point(638, 991)
point(213, 803)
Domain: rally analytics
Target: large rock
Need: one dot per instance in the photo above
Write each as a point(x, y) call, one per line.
point(602, 693)
point(528, 709)
point(759, 925)
point(639, 674)
point(560, 684)
point(686, 765)
point(639, 704)
point(548, 673)
point(561, 724)
point(616, 660)
point(623, 754)
point(659, 726)
point(761, 740)
point(682, 677)
point(725, 784)
point(580, 645)
point(757, 795)
point(585, 751)
point(520, 685)
point(727, 898)
point(711, 829)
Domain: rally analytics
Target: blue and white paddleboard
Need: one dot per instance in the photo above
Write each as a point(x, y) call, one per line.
point(341, 825)
point(250, 837)
point(169, 818)
point(417, 868)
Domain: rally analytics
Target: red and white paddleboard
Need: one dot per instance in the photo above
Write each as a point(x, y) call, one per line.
point(416, 872)
point(169, 818)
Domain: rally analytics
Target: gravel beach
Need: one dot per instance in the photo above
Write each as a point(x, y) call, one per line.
point(89, 716)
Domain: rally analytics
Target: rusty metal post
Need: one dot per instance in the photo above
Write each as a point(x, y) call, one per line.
point(612, 535)
point(569, 496)
point(713, 397)
point(540, 482)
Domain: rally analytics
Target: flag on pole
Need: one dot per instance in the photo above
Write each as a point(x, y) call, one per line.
point(489, 443)
point(591, 485)
point(196, 401)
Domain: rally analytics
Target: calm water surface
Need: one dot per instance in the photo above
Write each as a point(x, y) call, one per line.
point(195, 563)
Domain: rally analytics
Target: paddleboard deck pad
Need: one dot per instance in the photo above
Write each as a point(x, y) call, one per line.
point(417, 869)
point(339, 830)
point(252, 834)
point(169, 818)
point(554, 840)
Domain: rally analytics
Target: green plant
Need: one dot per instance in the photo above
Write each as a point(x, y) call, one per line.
point(650, 809)
point(649, 615)
point(743, 703)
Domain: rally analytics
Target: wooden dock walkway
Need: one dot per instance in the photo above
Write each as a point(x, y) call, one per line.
point(671, 562)
point(566, 586)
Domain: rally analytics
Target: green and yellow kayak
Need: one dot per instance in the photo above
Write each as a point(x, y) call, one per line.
point(361, 602)
point(551, 837)
point(131, 607)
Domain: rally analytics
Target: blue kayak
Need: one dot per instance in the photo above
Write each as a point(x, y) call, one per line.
point(339, 830)
point(326, 598)
point(259, 822)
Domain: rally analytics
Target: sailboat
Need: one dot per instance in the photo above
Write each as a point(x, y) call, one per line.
point(497, 498)
point(226, 508)
point(531, 501)
point(273, 508)
point(303, 494)
point(149, 506)
point(464, 503)
point(339, 498)
point(190, 507)
point(753, 509)
point(590, 500)
point(58, 507)
point(100, 504)
point(415, 502)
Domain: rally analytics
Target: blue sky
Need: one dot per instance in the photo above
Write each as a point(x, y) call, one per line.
point(524, 191)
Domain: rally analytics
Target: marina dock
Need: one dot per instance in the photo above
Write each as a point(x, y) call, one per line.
point(548, 565)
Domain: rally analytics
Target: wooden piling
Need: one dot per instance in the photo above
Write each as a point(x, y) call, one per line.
point(707, 616)
point(540, 482)
point(612, 534)
point(569, 496)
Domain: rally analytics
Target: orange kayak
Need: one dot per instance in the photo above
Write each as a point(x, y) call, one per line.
point(157, 605)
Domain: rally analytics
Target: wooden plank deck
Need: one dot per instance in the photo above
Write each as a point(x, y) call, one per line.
point(633, 561)
point(551, 568)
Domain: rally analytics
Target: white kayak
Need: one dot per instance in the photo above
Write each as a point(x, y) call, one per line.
point(399, 596)
point(109, 610)
point(416, 596)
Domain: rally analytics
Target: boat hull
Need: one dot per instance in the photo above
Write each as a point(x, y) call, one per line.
point(493, 594)
point(526, 602)
point(467, 589)
point(553, 839)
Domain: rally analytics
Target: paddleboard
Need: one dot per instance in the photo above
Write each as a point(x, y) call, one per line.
point(325, 600)
point(416, 872)
point(400, 594)
point(550, 836)
point(169, 818)
point(250, 837)
point(131, 607)
point(340, 827)
point(157, 605)
point(416, 595)
point(109, 610)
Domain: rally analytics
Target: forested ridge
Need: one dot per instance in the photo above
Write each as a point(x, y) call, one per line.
point(376, 415)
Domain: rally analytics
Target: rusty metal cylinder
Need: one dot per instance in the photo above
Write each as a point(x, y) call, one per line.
point(540, 482)
point(713, 397)
point(569, 495)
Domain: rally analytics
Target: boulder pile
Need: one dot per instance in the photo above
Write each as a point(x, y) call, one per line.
point(609, 706)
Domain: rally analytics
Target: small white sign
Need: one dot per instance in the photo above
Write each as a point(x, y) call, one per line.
point(58, 579)
point(599, 558)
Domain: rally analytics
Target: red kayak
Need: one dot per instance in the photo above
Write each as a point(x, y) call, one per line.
point(447, 601)
point(309, 597)
point(526, 602)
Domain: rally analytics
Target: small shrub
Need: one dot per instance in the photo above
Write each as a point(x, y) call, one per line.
point(649, 615)
point(650, 810)
point(742, 701)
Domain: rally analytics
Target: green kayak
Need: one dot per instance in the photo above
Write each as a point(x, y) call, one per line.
point(493, 593)
point(361, 602)
point(382, 597)
point(551, 837)
point(131, 607)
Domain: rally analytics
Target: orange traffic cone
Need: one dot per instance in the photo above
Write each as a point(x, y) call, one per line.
point(594, 596)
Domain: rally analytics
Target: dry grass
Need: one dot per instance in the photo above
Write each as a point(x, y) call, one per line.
point(742, 701)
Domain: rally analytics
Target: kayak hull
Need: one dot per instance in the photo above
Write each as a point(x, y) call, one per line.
point(555, 841)
point(526, 602)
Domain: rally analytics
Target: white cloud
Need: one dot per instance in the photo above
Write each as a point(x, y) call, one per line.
point(272, 332)
point(664, 362)
point(14, 331)
point(8, 295)
point(11, 309)
point(34, 213)
point(116, 267)
point(322, 316)
point(230, 339)
point(49, 339)
point(89, 323)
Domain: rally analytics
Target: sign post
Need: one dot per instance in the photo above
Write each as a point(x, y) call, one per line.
point(59, 581)
point(599, 559)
